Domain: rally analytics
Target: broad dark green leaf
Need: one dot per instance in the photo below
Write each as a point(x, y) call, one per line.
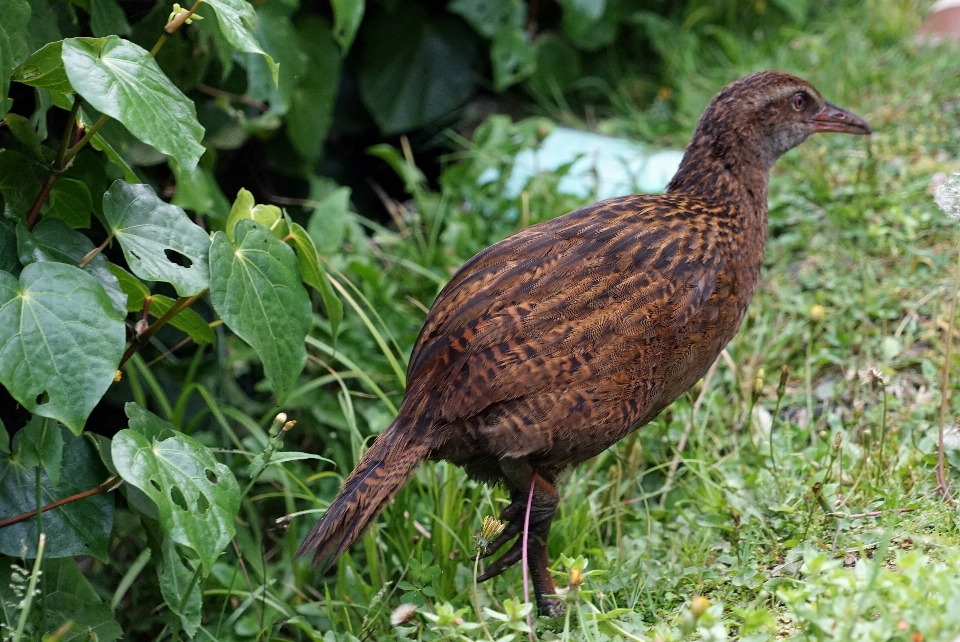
point(44, 69)
point(513, 55)
point(176, 577)
point(415, 71)
point(123, 81)
point(311, 103)
point(107, 18)
point(327, 224)
point(131, 286)
point(197, 497)
point(13, 44)
point(60, 341)
point(20, 183)
point(199, 191)
point(52, 240)
point(70, 598)
point(77, 528)
point(23, 131)
point(8, 246)
point(43, 27)
point(238, 24)
point(153, 233)
point(314, 275)
point(186, 320)
point(347, 16)
point(41, 444)
point(558, 65)
point(255, 288)
point(276, 33)
point(70, 202)
point(489, 16)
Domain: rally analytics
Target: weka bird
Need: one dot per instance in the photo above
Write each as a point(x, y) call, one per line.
point(551, 345)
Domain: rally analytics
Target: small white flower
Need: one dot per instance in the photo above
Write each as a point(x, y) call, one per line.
point(947, 196)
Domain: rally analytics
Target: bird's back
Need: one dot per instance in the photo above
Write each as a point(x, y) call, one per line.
point(555, 342)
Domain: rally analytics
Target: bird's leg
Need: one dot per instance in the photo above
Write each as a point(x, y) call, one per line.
point(542, 509)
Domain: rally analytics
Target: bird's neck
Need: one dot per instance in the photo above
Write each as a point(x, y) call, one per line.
point(725, 172)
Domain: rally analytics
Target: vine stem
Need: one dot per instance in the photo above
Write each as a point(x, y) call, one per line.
point(141, 340)
point(108, 485)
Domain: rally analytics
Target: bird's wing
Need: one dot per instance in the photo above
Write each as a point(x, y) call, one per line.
point(546, 311)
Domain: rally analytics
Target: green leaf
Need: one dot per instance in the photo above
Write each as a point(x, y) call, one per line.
point(100, 144)
point(796, 9)
point(513, 55)
point(122, 80)
point(197, 497)
point(20, 183)
point(186, 320)
point(415, 72)
point(13, 44)
point(311, 102)
point(42, 27)
point(176, 577)
point(70, 598)
point(327, 224)
point(245, 208)
point(557, 65)
point(276, 33)
point(60, 341)
point(199, 191)
point(255, 288)
point(347, 16)
point(41, 444)
point(52, 240)
point(238, 24)
point(313, 275)
point(489, 16)
point(44, 69)
point(8, 246)
point(23, 131)
point(70, 202)
point(107, 18)
point(152, 233)
point(133, 287)
point(76, 528)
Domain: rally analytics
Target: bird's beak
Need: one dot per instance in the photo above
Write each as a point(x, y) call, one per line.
point(833, 119)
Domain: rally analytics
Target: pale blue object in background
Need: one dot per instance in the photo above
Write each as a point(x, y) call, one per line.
point(604, 166)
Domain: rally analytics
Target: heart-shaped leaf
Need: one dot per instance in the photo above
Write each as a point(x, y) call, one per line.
point(255, 287)
point(123, 80)
point(52, 240)
point(70, 202)
point(151, 232)
point(197, 497)
point(60, 341)
point(77, 528)
point(44, 69)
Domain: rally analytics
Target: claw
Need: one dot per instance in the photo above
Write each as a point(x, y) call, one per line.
point(511, 531)
point(503, 562)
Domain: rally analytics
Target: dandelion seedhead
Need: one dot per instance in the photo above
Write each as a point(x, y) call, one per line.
point(947, 196)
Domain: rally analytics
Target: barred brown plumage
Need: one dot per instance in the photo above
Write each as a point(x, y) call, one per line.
point(551, 345)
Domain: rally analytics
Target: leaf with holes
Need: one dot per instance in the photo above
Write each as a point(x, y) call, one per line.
point(122, 80)
point(60, 341)
point(255, 288)
point(197, 497)
point(76, 528)
point(52, 240)
point(154, 234)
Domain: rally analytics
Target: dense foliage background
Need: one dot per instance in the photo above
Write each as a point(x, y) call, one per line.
point(210, 221)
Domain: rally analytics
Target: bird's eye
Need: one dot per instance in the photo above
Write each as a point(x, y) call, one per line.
point(798, 102)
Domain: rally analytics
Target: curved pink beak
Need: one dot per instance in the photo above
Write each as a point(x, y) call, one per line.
point(833, 119)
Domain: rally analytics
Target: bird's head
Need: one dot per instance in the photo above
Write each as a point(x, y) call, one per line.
point(771, 112)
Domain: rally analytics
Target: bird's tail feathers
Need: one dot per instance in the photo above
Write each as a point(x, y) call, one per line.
point(380, 474)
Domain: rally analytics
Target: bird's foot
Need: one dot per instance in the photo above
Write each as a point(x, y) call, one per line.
point(550, 607)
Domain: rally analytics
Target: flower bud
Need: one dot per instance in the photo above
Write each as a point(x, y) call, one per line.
point(699, 606)
point(817, 313)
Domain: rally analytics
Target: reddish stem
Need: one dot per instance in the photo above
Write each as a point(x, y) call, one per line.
point(526, 537)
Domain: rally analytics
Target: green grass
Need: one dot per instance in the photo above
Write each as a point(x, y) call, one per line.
point(779, 509)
